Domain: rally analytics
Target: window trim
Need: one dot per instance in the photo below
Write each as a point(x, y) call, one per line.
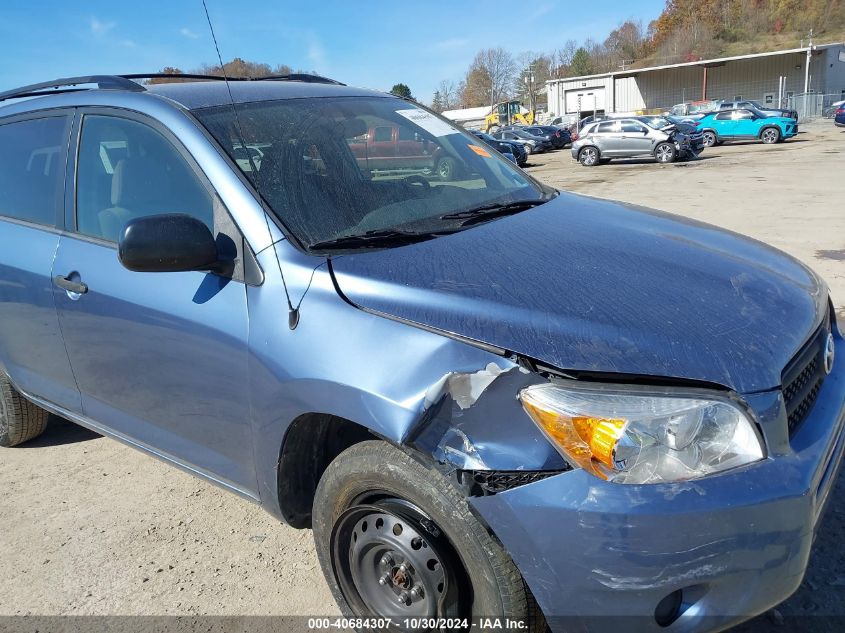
point(138, 117)
point(68, 113)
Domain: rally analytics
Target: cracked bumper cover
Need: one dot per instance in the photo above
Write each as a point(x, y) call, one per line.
point(737, 543)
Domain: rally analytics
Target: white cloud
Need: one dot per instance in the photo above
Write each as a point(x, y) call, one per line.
point(98, 27)
point(188, 33)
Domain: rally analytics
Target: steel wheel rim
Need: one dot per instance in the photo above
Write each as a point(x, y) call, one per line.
point(709, 139)
point(769, 136)
point(399, 566)
point(664, 153)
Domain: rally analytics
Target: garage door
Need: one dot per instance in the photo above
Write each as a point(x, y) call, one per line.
point(585, 100)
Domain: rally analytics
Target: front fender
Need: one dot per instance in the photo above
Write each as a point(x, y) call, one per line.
point(406, 384)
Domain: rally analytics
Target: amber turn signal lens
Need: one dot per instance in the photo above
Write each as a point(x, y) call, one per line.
point(584, 440)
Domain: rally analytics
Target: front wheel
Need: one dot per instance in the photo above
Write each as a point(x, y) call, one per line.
point(770, 135)
point(396, 540)
point(665, 153)
point(710, 139)
point(446, 168)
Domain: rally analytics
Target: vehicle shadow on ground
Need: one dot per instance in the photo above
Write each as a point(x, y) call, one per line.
point(819, 604)
point(60, 432)
point(624, 162)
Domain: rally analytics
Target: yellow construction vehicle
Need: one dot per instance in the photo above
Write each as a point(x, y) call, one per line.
point(507, 113)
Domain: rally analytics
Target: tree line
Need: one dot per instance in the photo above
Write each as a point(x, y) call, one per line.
point(238, 68)
point(685, 31)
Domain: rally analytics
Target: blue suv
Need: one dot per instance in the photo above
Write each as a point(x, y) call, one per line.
point(745, 124)
point(487, 398)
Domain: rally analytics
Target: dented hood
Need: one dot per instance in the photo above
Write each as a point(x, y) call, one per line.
point(594, 286)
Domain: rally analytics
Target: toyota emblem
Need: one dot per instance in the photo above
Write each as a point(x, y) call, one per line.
point(829, 352)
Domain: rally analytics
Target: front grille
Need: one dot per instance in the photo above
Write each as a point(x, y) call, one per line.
point(803, 377)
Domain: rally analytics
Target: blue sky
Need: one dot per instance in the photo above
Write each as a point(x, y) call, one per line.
point(373, 44)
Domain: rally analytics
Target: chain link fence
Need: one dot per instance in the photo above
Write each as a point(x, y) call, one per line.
point(814, 105)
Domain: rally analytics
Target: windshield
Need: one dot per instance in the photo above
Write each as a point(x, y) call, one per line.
point(331, 168)
point(657, 122)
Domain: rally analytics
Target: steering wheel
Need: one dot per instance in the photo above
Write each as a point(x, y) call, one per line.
point(417, 178)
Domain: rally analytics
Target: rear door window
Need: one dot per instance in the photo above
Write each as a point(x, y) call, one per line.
point(32, 169)
point(632, 127)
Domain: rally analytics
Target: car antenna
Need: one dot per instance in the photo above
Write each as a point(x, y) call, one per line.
point(293, 312)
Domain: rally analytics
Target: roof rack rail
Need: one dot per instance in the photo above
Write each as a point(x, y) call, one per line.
point(125, 82)
point(68, 84)
point(308, 78)
point(177, 76)
point(305, 77)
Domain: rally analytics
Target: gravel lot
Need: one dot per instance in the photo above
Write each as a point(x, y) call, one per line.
point(91, 527)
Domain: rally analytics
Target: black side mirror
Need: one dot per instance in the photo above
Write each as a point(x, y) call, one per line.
point(173, 242)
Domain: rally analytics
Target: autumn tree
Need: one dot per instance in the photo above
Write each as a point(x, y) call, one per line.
point(167, 70)
point(490, 78)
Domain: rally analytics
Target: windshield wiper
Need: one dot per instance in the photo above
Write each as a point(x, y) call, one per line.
point(375, 239)
point(490, 211)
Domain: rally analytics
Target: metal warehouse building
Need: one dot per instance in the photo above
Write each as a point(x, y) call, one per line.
point(771, 78)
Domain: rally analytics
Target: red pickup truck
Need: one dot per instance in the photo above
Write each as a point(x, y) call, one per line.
point(394, 148)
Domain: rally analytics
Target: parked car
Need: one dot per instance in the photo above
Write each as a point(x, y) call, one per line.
point(532, 144)
point(758, 107)
point(666, 123)
point(558, 138)
point(486, 398)
point(839, 116)
point(564, 121)
point(694, 110)
point(745, 124)
point(628, 138)
point(515, 149)
point(829, 112)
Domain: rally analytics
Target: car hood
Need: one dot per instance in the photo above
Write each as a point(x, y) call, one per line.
point(593, 286)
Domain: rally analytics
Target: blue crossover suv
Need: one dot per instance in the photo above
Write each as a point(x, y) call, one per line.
point(487, 398)
point(745, 124)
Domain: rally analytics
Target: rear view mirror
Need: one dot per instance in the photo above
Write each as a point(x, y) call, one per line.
point(173, 242)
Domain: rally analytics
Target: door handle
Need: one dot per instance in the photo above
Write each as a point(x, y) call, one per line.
point(71, 286)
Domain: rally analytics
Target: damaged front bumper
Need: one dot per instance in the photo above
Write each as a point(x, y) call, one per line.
point(696, 556)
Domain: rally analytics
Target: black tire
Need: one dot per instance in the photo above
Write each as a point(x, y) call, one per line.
point(665, 153)
point(373, 475)
point(20, 420)
point(589, 156)
point(710, 138)
point(770, 135)
point(446, 168)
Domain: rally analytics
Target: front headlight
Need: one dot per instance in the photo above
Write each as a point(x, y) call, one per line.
point(637, 437)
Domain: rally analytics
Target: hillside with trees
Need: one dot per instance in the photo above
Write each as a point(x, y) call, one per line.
point(685, 31)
